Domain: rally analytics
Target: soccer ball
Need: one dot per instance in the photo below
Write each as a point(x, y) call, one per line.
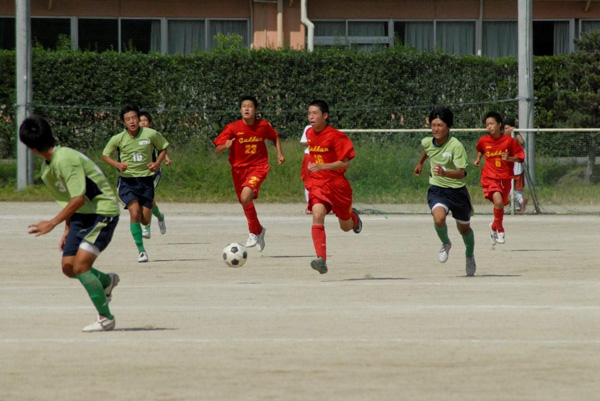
point(235, 255)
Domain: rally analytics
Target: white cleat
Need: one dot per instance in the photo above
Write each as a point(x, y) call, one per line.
point(143, 258)
point(252, 240)
point(102, 324)
point(501, 237)
point(444, 252)
point(493, 235)
point(471, 266)
point(161, 224)
point(146, 233)
point(260, 239)
point(114, 281)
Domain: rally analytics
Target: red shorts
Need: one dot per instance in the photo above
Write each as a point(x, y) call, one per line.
point(335, 195)
point(251, 177)
point(492, 185)
point(519, 182)
point(304, 169)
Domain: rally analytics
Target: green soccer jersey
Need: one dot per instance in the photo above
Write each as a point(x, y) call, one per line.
point(70, 173)
point(451, 155)
point(136, 151)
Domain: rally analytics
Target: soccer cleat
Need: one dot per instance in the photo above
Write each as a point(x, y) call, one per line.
point(260, 239)
point(493, 235)
point(114, 281)
point(471, 266)
point(500, 237)
point(161, 224)
point(146, 233)
point(319, 265)
point(143, 258)
point(444, 252)
point(358, 227)
point(523, 203)
point(252, 240)
point(102, 324)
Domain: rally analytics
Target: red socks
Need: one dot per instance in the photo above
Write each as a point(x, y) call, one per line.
point(253, 224)
point(498, 217)
point(319, 241)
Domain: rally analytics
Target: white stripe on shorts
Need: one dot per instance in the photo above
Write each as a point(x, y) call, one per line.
point(91, 248)
point(440, 205)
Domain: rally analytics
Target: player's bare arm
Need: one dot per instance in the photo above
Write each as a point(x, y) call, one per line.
point(118, 165)
point(280, 157)
point(440, 171)
point(419, 167)
point(45, 226)
point(477, 161)
point(338, 165)
point(153, 166)
point(221, 148)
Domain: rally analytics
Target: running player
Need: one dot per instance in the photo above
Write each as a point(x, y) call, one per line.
point(501, 152)
point(328, 189)
point(448, 193)
point(249, 159)
point(135, 146)
point(90, 212)
point(146, 122)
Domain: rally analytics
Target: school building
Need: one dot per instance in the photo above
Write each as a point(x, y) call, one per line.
point(478, 27)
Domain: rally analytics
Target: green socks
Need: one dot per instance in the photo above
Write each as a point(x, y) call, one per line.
point(469, 241)
point(136, 232)
point(96, 292)
point(156, 212)
point(442, 233)
point(103, 277)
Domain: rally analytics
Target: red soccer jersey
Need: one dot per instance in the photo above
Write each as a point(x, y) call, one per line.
point(492, 148)
point(249, 147)
point(327, 146)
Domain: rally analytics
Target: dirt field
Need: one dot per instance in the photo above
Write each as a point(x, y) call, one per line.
point(388, 321)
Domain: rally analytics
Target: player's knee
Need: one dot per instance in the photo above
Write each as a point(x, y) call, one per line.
point(67, 270)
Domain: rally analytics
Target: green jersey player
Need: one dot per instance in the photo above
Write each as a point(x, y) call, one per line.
point(135, 147)
point(90, 212)
point(448, 193)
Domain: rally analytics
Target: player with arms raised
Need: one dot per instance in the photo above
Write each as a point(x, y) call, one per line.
point(249, 159)
point(328, 189)
point(90, 212)
point(501, 152)
point(448, 161)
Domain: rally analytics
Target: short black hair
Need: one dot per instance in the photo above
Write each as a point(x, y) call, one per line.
point(321, 104)
point(145, 113)
point(251, 98)
point(444, 114)
point(495, 115)
point(35, 133)
point(127, 108)
point(510, 121)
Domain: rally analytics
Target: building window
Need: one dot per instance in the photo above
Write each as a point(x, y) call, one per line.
point(98, 34)
point(455, 37)
point(46, 31)
point(186, 37)
point(500, 38)
point(551, 38)
point(590, 25)
point(361, 35)
point(7, 33)
point(141, 35)
point(228, 27)
point(418, 35)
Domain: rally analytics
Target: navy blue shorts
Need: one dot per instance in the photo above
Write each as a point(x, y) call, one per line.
point(140, 189)
point(93, 228)
point(456, 200)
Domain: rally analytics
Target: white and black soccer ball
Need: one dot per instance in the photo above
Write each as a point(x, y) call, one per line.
point(235, 255)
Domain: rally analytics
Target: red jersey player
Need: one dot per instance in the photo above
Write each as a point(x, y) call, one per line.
point(501, 152)
point(328, 189)
point(249, 159)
